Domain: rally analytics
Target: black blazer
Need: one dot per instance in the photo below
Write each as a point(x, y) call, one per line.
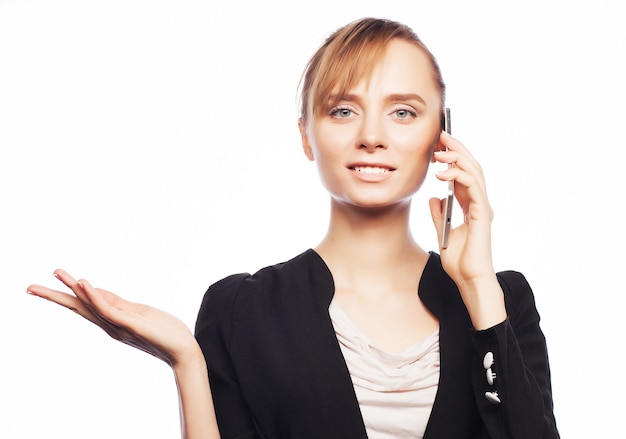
point(276, 368)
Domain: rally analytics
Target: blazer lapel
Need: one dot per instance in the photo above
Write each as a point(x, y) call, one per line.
point(450, 416)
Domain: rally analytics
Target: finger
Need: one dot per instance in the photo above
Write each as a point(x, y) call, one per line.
point(471, 197)
point(70, 302)
point(457, 150)
point(73, 285)
point(463, 162)
point(467, 180)
point(456, 153)
point(459, 159)
point(452, 144)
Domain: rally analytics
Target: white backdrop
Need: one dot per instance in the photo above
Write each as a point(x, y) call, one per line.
point(151, 147)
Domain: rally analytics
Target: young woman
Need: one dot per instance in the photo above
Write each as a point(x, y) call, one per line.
point(367, 334)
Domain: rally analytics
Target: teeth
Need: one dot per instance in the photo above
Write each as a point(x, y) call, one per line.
point(371, 169)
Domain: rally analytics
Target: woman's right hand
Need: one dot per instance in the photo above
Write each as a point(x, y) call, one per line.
point(141, 326)
point(151, 330)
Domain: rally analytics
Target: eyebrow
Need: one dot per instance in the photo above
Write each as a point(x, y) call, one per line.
point(406, 97)
point(392, 97)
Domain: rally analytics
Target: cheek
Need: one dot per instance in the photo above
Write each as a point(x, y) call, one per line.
point(420, 145)
point(329, 143)
point(326, 156)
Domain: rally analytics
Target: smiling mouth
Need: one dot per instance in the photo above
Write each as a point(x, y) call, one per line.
point(371, 170)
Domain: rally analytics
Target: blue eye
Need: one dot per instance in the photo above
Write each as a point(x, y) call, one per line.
point(404, 113)
point(341, 112)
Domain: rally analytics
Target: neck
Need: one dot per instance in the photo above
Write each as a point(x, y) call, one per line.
point(367, 244)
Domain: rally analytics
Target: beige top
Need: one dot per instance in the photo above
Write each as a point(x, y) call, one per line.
point(395, 391)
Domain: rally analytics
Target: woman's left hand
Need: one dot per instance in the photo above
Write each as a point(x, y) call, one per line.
point(468, 258)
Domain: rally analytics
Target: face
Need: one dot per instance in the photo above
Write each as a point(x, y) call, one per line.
point(373, 146)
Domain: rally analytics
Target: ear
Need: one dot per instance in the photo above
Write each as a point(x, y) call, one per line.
point(437, 146)
point(306, 145)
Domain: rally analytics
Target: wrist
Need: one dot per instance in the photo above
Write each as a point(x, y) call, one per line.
point(484, 300)
point(190, 357)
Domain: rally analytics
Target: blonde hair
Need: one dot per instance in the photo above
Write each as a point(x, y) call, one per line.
point(347, 56)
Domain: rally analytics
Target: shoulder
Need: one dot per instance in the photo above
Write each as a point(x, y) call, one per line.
point(518, 297)
point(271, 273)
point(266, 288)
point(512, 280)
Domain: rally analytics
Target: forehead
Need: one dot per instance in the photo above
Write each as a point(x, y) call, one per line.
point(383, 62)
point(403, 67)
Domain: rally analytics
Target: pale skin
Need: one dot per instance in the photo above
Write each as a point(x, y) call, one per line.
point(372, 148)
point(153, 331)
point(391, 122)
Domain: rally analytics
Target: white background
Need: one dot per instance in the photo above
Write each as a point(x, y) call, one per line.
point(151, 147)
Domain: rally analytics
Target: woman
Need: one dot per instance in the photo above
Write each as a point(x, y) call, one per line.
point(336, 342)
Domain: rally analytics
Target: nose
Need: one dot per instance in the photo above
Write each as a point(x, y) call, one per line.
point(372, 134)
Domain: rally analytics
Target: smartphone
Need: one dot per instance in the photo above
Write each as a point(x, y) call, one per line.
point(449, 199)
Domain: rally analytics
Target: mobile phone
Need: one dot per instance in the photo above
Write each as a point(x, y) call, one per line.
point(449, 199)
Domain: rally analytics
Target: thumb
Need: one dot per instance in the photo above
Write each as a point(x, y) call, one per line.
point(436, 212)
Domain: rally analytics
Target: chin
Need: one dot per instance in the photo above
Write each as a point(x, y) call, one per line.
point(379, 205)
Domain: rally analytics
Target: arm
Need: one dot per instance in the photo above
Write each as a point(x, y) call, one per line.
point(153, 331)
point(468, 259)
point(213, 332)
point(521, 367)
point(197, 413)
point(501, 308)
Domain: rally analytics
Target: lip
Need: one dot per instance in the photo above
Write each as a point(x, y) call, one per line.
point(371, 172)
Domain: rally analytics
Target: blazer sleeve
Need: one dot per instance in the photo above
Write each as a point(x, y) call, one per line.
point(213, 329)
point(517, 404)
